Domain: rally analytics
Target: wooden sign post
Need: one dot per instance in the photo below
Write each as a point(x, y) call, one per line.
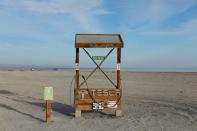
point(48, 97)
point(48, 111)
point(102, 98)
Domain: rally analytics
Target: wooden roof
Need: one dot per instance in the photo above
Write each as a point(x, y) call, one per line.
point(98, 41)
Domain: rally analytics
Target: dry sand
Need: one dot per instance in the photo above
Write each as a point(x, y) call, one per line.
point(151, 102)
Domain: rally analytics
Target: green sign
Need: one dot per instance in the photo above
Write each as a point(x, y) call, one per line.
point(48, 93)
point(98, 57)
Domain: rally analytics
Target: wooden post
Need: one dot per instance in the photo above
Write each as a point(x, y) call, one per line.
point(118, 67)
point(77, 68)
point(48, 111)
point(48, 97)
point(77, 112)
point(119, 111)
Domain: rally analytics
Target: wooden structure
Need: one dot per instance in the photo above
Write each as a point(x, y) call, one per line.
point(102, 98)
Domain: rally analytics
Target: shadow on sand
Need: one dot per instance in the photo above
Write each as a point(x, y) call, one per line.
point(65, 109)
point(22, 113)
point(56, 106)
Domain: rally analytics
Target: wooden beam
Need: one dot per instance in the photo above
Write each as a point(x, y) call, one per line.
point(77, 68)
point(76, 76)
point(118, 67)
point(98, 34)
point(98, 45)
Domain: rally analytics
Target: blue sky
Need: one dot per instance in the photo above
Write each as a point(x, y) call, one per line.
point(157, 33)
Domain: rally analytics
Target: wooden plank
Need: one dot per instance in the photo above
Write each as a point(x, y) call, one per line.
point(89, 108)
point(87, 97)
point(98, 45)
point(84, 107)
point(98, 92)
point(98, 34)
point(90, 101)
point(90, 89)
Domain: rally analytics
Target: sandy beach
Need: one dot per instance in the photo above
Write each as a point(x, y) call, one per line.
point(150, 102)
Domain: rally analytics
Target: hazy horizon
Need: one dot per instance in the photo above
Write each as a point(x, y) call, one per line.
point(90, 68)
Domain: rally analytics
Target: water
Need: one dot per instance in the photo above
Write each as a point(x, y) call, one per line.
point(105, 69)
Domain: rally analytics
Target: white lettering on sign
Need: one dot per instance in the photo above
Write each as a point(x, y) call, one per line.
point(97, 106)
point(99, 92)
point(77, 66)
point(118, 66)
point(112, 104)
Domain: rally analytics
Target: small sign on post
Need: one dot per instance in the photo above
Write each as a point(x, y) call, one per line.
point(98, 57)
point(48, 97)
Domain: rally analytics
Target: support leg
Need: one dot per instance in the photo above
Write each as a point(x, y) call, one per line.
point(118, 113)
point(77, 113)
point(48, 111)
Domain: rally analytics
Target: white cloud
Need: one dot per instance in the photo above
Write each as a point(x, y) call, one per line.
point(188, 28)
point(82, 11)
point(58, 6)
point(151, 13)
point(149, 18)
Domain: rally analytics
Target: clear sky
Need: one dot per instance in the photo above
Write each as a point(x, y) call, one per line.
point(157, 33)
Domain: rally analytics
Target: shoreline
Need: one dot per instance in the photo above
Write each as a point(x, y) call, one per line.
point(84, 70)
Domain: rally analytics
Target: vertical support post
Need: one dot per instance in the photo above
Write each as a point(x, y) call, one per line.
point(48, 111)
point(118, 111)
point(77, 112)
point(77, 68)
point(118, 67)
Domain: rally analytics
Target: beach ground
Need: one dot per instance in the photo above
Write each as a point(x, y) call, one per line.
point(150, 102)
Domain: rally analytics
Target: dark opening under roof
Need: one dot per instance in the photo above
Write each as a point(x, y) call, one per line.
point(98, 41)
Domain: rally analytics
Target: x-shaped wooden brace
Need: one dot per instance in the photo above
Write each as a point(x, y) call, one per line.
point(98, 67)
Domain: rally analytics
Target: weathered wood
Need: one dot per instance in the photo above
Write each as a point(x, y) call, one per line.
point(84, 107)
point(89, 102)
point(118, 66)
point(103, 98)
point(77, 73)
point(84, 98)
point(48, 111)
point(77, 68)
point(89, 108)
point(97, 34)
point(98, 45)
